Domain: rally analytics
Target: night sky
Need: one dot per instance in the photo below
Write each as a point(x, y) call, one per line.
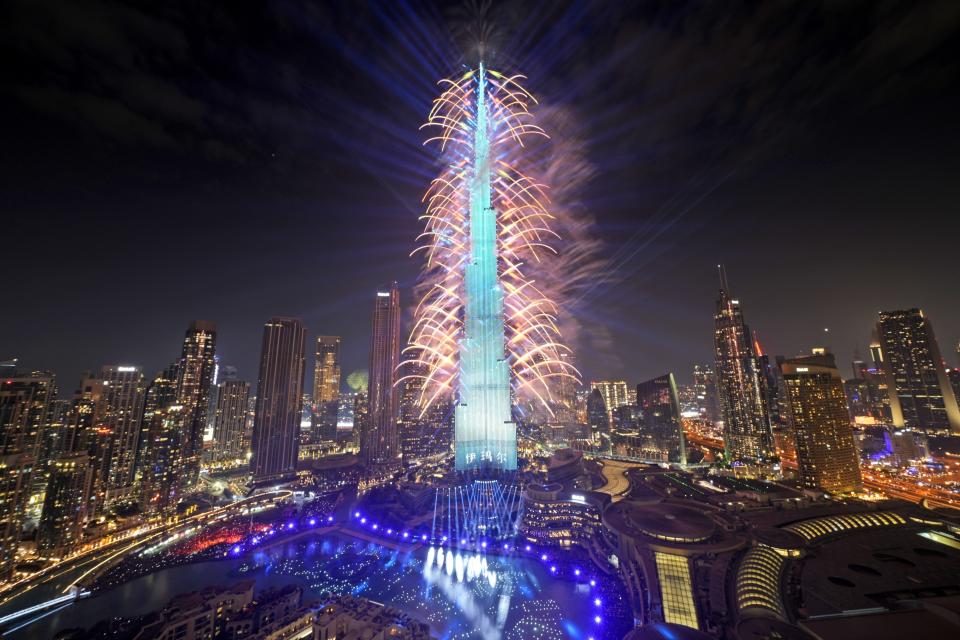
point(165, 161)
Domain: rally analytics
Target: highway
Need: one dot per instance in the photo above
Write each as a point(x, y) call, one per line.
point(95, 557)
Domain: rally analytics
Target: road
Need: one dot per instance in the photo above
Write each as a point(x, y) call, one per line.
point(615, 473)
point(94, 558)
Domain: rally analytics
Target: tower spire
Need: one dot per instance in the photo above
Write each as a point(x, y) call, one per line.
point(722, 273)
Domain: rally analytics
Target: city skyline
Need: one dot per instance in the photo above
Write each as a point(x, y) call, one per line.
point(671, 217)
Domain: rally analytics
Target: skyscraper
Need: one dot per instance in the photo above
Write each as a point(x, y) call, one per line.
point(16, 470)
point(921, 396)
point(276, 427)
point(615, 393)
point(197, 371)
point(427, 434)
point(123, 394)
point(826, 455)
point(64, 506)
point(24, 406)
point(326, 388)
point(231, 415)
point(705, 388)
point(161, 443)
point(740, 384)
point(599, 419)
point(660, 424)
point(326, 371)
point(380, 444)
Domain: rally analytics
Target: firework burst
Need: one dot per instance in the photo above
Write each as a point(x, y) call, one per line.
point(537, 358)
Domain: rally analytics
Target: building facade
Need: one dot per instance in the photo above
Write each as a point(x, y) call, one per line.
point(197, 371)
point(122, 398)
point(276, 428)
point(826, 455)
point(159, 454)
point(230, 419)
point(660, 422)
point(380, 441)
point(920, 393)
point(64, 506)
point(326, 388)
point(740, 385)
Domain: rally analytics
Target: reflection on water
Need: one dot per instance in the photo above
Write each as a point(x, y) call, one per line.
point(461, 596)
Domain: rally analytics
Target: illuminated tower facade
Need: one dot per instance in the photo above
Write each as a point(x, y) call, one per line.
point(123, 395)
point(276, 426)
point(484, 332)
point(197, 373)
point(486, 436)
point(615, 394)
point(380, 439)
point(326, 388)
point(230, 418)
point(741, 384)
point(660, 426)
point(921, 396)
point(816, 406)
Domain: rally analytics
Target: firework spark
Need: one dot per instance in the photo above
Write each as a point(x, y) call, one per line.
point(537, 357)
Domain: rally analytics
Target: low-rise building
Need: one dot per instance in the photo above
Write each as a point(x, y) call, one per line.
point(553, 515)
point(351, 618)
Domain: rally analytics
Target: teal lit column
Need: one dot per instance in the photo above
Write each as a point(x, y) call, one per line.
point(486, 437)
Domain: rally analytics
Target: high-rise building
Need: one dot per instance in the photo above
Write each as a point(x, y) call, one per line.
point(423, 435)
point(326, 388)
point(615, 393)
point(953, 375)
point(25, 401)
point(197, 371)
point(361, 418)
point(64, 506)
point(230, 418)
point(599, 419)
point(276, 427)
point(326, 370)
point(121, 415)
point(161, 443)
point(826, 455)
point(380, 443)
point(705, 388)
point(660, 424)
point(16, 471)
point(740, 384)
point(920, 393)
